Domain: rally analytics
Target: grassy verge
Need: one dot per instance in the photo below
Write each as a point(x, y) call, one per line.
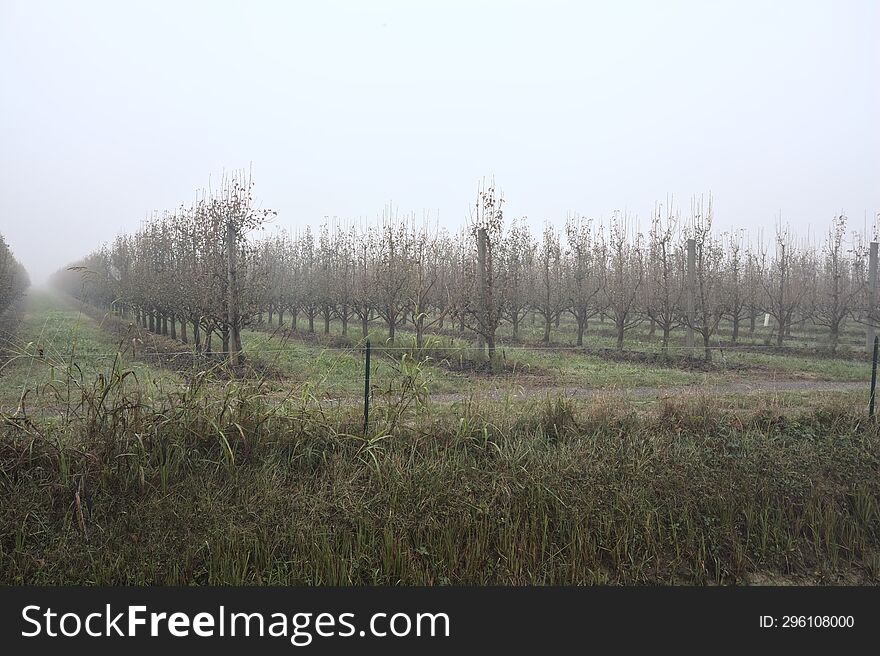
point(201, 487)
point(790, 366)
point(57, 349)
point(334, 371)
point(530, 363)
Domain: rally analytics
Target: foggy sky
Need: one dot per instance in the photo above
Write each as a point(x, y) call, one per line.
point(111, 110)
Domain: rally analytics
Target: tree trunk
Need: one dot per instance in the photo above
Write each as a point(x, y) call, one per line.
point(197, 337)
point(365, 328)
point(236, 341)
point(581, 325)
point(183, 337)
point(516, 326)
point(547, 321)
point(172, 328)
point(735, 328)
point(620, 327)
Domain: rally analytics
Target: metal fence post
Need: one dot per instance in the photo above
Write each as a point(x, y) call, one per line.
point(874, 375)
point(367, 387)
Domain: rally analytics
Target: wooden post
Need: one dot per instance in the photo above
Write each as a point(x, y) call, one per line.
point(873, 376)
point(233, 342)
point(481, 289)
point(872, 298)
point(690, 291)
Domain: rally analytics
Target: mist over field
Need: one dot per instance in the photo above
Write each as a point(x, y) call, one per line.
point(441, 293)
point(111, 111)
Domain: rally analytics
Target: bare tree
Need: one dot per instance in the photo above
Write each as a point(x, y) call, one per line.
point(427, 286)
point(549, 298)
point(836, 294)
point(13, 277)
point(664, 282)
point(362, 279)
point(517, 251)
point(735, 283)
point(624, 275)
point(392, 271)
point(487, 300)
point(783, 282)
point(583, 273)
point(710, 303)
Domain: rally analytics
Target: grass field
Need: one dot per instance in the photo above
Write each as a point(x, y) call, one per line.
point(55, 339)
point(560, 362)
point(127, 465)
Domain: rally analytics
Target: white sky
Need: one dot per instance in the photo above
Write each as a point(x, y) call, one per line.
point(111, 110)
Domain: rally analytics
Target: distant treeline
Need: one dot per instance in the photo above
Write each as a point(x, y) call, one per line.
point(14, 279)
point(199, 272)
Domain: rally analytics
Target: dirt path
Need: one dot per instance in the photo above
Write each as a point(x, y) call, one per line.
point(744, 387)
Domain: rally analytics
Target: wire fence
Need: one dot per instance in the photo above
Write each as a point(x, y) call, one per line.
point(443, 369)
point(633, 349)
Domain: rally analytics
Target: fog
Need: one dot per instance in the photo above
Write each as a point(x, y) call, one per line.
point(112, 110)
